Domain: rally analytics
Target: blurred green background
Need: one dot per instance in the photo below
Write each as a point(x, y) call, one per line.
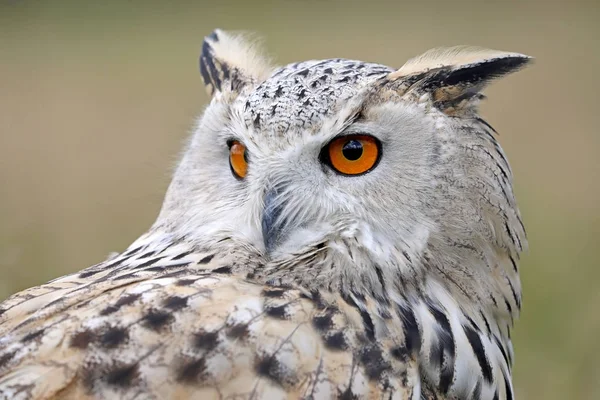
point(97, 97)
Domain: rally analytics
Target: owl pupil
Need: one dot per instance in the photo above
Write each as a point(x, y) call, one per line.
point(352, 150)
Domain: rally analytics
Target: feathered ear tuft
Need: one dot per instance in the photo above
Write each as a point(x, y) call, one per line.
point(229, 63)
point(455, 76)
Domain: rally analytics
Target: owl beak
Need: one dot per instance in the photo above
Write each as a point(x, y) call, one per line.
point(271, 226)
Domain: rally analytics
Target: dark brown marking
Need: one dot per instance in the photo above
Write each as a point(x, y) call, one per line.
point(156, 319)
point(185, 282)
point(274, 292)
point(32, 335)
point(175, 302)
point(347, 394)
point(205, 340)
point(113, 337)
point(54, 302)
point(131, 275)
point(163, 268)
point(222, 270)
point(193, 371)
point(323, 321)
point(238, 331)
point(270, 367)
point(6, 357)
point(122, 376)
point(123, 301)
point(336, 341)
point(372, 359)
point(279, 312)
point(400, 353)
point(82, 340)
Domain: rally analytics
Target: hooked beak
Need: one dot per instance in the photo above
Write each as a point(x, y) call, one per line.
point(271, 225)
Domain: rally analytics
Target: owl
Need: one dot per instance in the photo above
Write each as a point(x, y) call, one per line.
point(334, 229)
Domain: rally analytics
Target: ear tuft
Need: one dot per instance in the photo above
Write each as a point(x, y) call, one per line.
point(455, 76)
point(228, 63)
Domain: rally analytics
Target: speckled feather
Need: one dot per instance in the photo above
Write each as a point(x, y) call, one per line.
point(159, 323)
point(402, 285)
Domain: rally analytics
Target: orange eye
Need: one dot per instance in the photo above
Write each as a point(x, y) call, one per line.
point(238, 160)
point(352, 154)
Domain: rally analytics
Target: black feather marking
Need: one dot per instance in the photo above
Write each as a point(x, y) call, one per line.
point(485, 321)
point(149, 262)
point(509, 393)
point(514, 293)
point(444, 351)
point(32, 335)
point(148, 254)
point(206, 259)
point(368, 324)
point(479, 350)
point(476, 395)
point(485, 70)
point(181, 255)
point(207, 67)
point(412, 335)
point(514, 264)
point(222, 270)
point(133, 251)
point(504, 354)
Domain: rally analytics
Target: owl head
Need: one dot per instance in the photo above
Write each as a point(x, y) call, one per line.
point(347, 174)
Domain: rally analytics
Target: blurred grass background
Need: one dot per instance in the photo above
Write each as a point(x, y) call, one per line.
point(96, 99)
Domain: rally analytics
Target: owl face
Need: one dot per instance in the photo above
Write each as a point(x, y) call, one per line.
point(358, 174)
point(335, 154)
